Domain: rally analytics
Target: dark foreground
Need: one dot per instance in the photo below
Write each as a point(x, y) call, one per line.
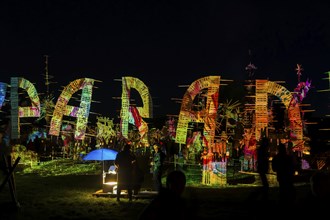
point(71, 197)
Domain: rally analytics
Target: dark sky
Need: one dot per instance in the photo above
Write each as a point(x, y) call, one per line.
point(165, 44)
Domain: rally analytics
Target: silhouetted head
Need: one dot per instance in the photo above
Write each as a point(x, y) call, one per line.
point(264, 142)
point(127, 147)
point(176, 182)
point(281, 149)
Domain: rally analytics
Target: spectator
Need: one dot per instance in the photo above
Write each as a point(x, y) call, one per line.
point(158, 166)
point(283, 165)
point(263, 165)
point(124, 162)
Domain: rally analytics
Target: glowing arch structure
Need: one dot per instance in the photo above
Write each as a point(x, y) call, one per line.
point(265, 87)
point(206, 116)
point(81, 113)
point(18, 111)
point(127, 115)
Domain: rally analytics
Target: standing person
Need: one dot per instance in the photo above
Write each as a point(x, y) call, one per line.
point(283, 165)
point(263, 165)
point(124, 162)
point(158, 166)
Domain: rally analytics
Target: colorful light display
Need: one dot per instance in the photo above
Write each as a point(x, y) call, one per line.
point(81, 113)
point(18, 111)
point(134, 115)
point(265, 87)
point(206, 116)
point(128, 112)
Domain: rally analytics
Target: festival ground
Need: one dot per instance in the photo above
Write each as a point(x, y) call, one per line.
point(71, 197)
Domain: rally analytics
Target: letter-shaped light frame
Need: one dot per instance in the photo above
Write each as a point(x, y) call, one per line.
point(206, 116)
point(81, 113)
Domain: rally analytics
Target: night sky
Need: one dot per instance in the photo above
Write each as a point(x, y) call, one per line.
point(165, 44)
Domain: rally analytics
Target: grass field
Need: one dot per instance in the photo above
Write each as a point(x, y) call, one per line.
point(65, 191)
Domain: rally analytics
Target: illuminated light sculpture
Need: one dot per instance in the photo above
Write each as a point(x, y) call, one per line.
point(81, 113)
point(105, 129)
point(265, 87)
point(137, 113)
point(206, 116)
point(299, 94)
point(18, 111)
point(261, 107)
point(227, 111)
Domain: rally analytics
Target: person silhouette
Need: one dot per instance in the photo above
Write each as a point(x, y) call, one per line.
point(168, 203)
point(158, 166)
point(124, 162)
point(284, 166)
point(263, 165)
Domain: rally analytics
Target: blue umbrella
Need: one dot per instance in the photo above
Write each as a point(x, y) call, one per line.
point(101, 154)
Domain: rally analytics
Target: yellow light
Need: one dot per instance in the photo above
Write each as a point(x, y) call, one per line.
point(111, 183)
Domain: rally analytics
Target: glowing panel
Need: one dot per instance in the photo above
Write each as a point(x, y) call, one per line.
point(81, 113)
point(261, 107)
point(207, 115)
point(34, 110)
point(145, 111)
point(268, 87)
point(18, 111)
